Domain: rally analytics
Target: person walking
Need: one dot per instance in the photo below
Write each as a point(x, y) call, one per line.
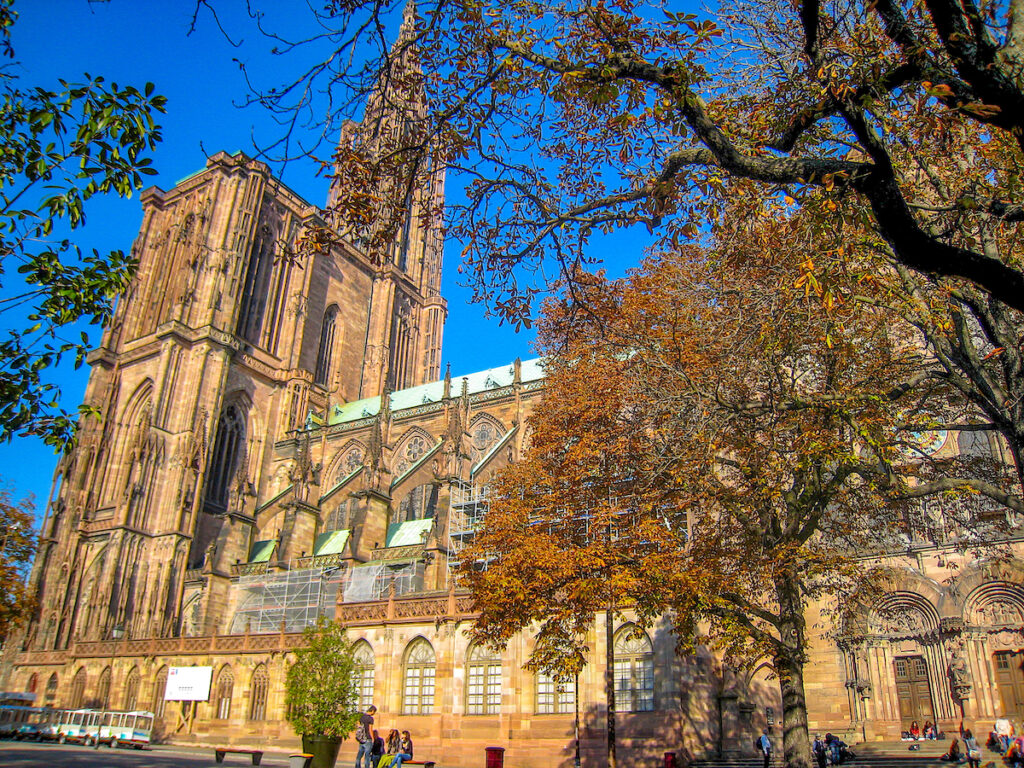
point(364, 736)
point(820, 751)
point(765, 745)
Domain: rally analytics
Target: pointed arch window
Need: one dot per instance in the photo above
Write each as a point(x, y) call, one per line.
point(634, 670)
point(225, 690)
point(419, 504)
point(131, 690)
point(257, 284)
point(483, 435)
point(363, 671)
point(353, 461)
point(418, 678)
point(78, 688)
point(325, 353)
point(224, 460)
point(103, 689)
point(337, 520)
point(258, 693)
point(33, 683)
point(159, 691)
point(51, 691)
point(410, 453)
point(483, 681)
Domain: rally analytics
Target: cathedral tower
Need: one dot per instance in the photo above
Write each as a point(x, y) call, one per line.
point(231, 336)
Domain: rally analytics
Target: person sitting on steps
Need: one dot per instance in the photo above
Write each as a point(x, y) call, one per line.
point(954, 755)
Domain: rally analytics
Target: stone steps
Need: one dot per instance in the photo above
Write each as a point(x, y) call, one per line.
point(869, 755)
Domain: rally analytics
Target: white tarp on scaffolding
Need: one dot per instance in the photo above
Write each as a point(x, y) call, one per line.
point(361, 583)
point(373, 580)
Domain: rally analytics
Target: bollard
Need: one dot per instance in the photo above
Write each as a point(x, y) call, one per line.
point(670, 760)
point(495, 757)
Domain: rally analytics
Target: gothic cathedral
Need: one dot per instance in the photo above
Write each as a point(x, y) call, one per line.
point(277, 442)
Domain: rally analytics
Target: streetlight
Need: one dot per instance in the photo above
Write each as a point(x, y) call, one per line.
point(116, 633)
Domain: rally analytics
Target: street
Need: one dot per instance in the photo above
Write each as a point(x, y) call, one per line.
point(17, 754)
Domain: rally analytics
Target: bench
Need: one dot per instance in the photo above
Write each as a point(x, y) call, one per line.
point(220, 752)
point(424, 763)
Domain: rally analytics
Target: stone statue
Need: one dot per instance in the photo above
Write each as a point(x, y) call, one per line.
point(959, 674)
point(211, 553)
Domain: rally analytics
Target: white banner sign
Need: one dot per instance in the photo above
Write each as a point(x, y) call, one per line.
point(188, 684)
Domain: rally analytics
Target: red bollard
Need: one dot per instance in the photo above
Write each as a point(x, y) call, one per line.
point(495, 757)
point(670, 760)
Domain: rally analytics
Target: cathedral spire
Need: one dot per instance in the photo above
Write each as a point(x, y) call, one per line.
point(408, 19)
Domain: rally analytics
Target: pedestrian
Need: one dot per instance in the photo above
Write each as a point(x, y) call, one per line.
point(364, 736)
point(765, 745)
point(405, 750)
point(820, 751)
point(833, 744)
point(377, 750)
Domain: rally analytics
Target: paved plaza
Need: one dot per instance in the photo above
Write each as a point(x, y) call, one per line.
point(17, 754)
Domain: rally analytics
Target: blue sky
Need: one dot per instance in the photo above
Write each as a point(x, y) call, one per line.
point(135, 41)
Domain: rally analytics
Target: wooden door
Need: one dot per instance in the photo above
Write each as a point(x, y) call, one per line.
point(1009, 669)
point(914, 690)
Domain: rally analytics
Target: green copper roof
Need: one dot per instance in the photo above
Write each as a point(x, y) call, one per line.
point(262, 550)
point(330, 543)
point(481, 381)
point(409, 532)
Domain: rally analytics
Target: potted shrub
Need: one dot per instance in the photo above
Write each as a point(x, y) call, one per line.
point(321, 693)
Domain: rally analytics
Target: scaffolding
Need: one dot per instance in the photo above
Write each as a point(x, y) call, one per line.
point(289, 600)
point(465, 515)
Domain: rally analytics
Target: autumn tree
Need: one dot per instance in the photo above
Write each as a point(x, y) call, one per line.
point(566, 120)
point(713, 443)
point(898, 121)
point(970, 334)
point(59, 147)
point(17, 547)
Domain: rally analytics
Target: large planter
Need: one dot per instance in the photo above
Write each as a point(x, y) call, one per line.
point(324, 749)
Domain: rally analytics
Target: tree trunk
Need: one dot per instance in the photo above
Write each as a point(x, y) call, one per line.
point(609, 683)
point(789, 664)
